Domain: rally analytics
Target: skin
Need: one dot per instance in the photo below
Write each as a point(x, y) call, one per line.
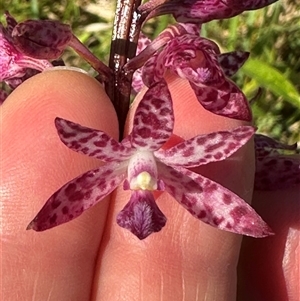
point(91, 257)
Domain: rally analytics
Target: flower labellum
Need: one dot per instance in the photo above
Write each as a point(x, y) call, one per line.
point(140, 163)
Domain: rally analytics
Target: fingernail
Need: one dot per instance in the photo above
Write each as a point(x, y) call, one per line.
point(65, 68)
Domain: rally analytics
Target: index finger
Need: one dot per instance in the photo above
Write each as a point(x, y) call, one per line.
point(56, 264)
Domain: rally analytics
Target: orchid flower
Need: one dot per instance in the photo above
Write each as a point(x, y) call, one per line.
point(277, 164)
point(15, 65)
point(200, 11)
point(140, 162)
point(230, 62)
point(199, 61)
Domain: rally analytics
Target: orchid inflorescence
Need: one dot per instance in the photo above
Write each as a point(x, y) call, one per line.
point(140, 161)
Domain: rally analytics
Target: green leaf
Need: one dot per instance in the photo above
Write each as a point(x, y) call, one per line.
point(270, 78)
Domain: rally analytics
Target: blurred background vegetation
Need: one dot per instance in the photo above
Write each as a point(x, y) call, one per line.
point(272, 35)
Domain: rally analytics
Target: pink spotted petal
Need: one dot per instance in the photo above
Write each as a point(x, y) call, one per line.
point(94, 143)
point(154, 119)
point(141, 53)
point(16, 81)
point(194, 58)
point(227, 100)
point(188, 55)
point(231, 62)
point(146, 49)
point(44, 39)
point(204, 149)
point(191, 10)
point(199, 11)
point(137, 81)
point(277, 172)
point(141, 216)
point(212, 203)
point(78, 195)
point(153, 70)
point(249, 4)
point(13, 64)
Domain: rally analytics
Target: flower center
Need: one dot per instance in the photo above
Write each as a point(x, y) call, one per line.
point(144, 181)
point(142, 171)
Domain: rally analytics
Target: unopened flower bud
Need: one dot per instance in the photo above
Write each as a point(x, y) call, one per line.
point(42, 39)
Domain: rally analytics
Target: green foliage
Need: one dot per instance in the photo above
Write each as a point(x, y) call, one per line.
point(272, 35)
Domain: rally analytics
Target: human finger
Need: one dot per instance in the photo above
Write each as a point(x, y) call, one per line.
point(187, 260)
point(57, 264)
point(269, 268)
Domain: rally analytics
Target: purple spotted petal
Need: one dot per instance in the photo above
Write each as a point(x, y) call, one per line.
point(231, 62)
point(277, 172)
point(199, 11)
point(141, 216)
point(146, 49)
point(13, 63)
point(78, 195)
point(204, 149)
point(154, 120)
point(137, 81)
point(196, 59)
point(143, 44)
point(44, 39)
point(93, 143)
point(212, 203)
point(153, 70)
point(266, 145)
point(48, 39)
point(277, 164)
point(228, 100)
point(187, 56)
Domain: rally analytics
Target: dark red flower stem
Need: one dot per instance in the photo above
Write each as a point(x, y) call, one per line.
point(125, 34)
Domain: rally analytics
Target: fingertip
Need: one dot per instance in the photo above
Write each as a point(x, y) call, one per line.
point(62, 93)
point(35, 164)
point(28, 127)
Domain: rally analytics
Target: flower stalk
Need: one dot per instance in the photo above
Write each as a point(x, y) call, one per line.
point(123, 47)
